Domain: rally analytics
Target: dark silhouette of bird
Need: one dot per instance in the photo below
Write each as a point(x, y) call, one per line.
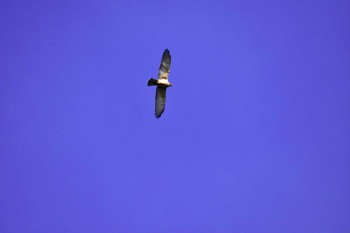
point(162, 83)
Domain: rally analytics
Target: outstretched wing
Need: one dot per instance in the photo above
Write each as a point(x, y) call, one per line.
point(160, 101)
point(164, 68)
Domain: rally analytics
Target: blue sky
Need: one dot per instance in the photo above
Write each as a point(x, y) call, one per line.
point(255, 136)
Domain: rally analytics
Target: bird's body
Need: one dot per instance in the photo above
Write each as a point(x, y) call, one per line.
point(162, 83)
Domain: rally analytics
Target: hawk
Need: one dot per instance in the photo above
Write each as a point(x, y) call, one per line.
point(162, 83)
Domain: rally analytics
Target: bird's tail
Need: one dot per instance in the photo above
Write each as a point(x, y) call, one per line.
point(152, 82)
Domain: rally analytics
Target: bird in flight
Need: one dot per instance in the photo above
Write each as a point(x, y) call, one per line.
point(162, 83)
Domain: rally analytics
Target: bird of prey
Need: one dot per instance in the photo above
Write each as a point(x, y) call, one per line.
point(162, 83)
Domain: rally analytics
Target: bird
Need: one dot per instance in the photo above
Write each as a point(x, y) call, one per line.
point(162, 83)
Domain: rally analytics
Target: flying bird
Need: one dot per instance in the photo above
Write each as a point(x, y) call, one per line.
point(162, 83)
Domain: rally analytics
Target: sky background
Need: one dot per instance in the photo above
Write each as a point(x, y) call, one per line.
point(255, 136)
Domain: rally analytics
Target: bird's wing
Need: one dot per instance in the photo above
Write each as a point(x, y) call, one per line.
point(164, 68)
point(160, 101)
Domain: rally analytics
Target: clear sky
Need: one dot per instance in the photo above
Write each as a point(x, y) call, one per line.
point(255, 136)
